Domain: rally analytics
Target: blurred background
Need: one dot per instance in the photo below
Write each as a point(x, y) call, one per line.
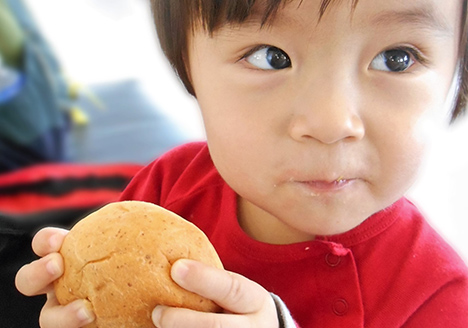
point(104, 41)
point(108, 49)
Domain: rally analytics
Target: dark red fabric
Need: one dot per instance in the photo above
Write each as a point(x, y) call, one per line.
point(391, 271)
point(59, 186)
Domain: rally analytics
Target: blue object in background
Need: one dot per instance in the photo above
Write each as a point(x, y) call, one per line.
point(34, 104)
point(11, 82)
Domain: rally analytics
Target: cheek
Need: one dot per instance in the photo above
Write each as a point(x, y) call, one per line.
point(401, 148)
point(398, 124)
point(240, 140)
point(237, 117)
point(228, 131)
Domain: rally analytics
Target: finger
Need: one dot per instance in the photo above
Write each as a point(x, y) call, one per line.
point(73, 315)
point(36, 277)
point(231, 291)
point(168, 317)
point(48, 240)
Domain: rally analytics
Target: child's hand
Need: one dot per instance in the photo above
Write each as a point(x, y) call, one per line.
point(37, 278)
point(246, 303)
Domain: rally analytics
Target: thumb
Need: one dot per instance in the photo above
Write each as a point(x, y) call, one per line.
point(231, 291)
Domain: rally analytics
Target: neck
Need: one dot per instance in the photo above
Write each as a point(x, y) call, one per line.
point(264, 227)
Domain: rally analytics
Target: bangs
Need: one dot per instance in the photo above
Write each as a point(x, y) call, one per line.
point(214, 13)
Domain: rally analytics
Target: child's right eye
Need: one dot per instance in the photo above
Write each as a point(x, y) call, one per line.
point(268, 58)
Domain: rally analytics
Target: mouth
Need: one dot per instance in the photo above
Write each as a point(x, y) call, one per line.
point(319, 187)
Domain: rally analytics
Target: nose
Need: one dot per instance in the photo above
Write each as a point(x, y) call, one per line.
point(327, 112)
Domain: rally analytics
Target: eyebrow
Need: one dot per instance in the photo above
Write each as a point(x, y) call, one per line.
point(424, 18)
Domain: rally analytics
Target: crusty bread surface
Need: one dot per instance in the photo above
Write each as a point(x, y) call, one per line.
point(119, 259)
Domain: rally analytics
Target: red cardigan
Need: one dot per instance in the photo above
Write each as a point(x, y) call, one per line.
point(393, 270)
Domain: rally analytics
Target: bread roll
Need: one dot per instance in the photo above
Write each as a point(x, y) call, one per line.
point(119, 259)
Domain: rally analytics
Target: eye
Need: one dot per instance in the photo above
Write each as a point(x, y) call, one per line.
point(395, 60)
point(268, 58)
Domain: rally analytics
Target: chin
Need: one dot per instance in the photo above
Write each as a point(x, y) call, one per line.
point(339, 224)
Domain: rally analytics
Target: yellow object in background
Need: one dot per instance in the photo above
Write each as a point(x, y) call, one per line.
point(75, 90)
point(78, 116)
point(11, 37)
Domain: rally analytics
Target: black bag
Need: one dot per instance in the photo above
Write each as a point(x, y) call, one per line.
point(39, 196)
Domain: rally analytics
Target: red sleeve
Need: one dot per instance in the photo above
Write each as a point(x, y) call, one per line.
point(446, 308)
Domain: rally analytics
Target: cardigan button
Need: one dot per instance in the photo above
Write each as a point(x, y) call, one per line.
point(340, 307)
point(332, 259)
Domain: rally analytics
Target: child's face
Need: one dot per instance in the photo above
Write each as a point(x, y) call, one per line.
point(332, 134)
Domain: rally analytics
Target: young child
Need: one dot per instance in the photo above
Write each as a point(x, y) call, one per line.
point(317, 114)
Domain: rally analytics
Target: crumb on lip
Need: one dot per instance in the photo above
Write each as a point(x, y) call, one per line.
point(340, 179)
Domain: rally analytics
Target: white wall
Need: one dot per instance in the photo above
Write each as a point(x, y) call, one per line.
point(106, 40)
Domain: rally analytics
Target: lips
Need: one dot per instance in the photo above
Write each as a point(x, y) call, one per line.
point(327, 185)
point(319, 187)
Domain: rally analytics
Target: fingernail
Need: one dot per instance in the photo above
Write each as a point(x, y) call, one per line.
point(179, 270)
point(84, 314)
point(156, 315)
point(53, 268)
point(54, 242)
